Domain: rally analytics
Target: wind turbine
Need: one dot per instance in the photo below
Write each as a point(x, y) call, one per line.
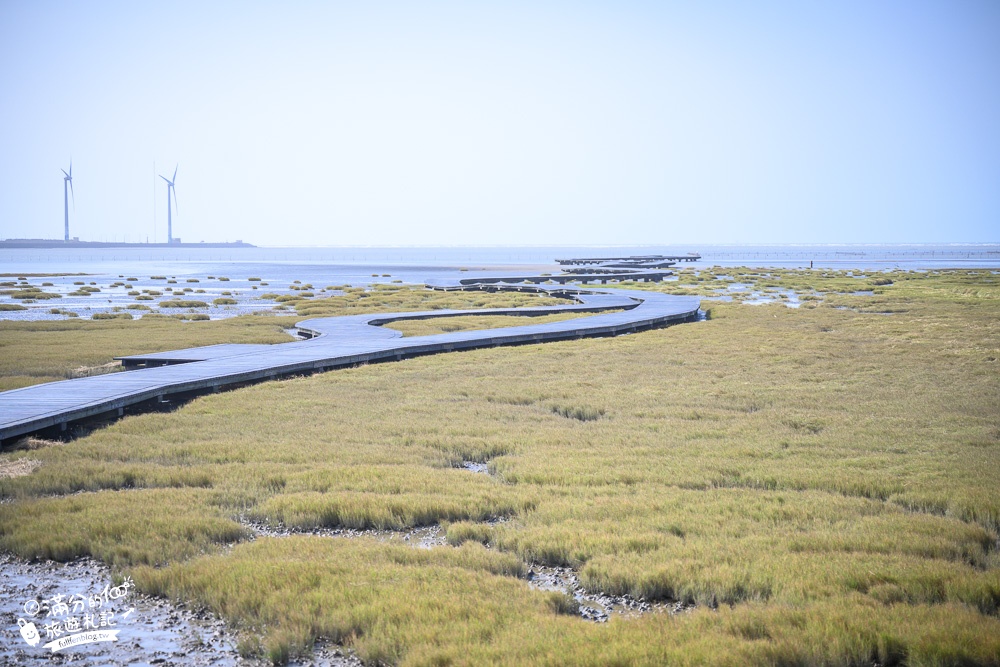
point(170, 189)
point(67, 189)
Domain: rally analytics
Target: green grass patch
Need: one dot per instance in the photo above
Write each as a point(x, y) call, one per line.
point(35, 294)
point(182, 303)
point(124, 528)
point(111, 316)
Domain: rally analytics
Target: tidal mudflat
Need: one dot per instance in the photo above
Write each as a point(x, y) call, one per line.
point(772, 485)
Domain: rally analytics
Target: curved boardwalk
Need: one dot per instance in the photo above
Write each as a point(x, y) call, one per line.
point(336, 342)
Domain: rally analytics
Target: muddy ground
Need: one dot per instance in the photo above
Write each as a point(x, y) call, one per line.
point(151, 631)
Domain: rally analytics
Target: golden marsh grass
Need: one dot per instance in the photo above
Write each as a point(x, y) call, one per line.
point(821, 481)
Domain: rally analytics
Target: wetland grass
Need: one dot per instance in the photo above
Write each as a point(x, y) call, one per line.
point(43, 351)
point(820, 481)
point(182, 303)
point(436, 325)
point(389, 298)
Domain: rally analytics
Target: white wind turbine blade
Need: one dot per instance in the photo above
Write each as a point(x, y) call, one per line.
point(69, 177)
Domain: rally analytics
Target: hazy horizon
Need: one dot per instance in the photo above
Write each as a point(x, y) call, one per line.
point(523, 125)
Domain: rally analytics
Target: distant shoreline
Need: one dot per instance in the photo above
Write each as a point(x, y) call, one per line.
point(414, 264)
point(52, 243)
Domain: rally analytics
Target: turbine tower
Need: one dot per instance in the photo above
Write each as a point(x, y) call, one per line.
point(67, 189)
point(170, 189)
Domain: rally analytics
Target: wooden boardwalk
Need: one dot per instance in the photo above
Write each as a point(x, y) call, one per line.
point(335, 342)
point(602, 275)
point(633, 259)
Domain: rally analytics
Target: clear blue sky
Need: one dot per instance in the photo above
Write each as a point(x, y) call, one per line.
point(347, 123)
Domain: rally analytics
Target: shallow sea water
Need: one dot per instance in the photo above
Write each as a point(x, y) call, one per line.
point(328, 267)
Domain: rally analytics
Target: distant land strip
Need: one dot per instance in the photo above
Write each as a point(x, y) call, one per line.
point(53, 243)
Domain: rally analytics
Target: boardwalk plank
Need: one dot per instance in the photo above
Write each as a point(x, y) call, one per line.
point(337, 342)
